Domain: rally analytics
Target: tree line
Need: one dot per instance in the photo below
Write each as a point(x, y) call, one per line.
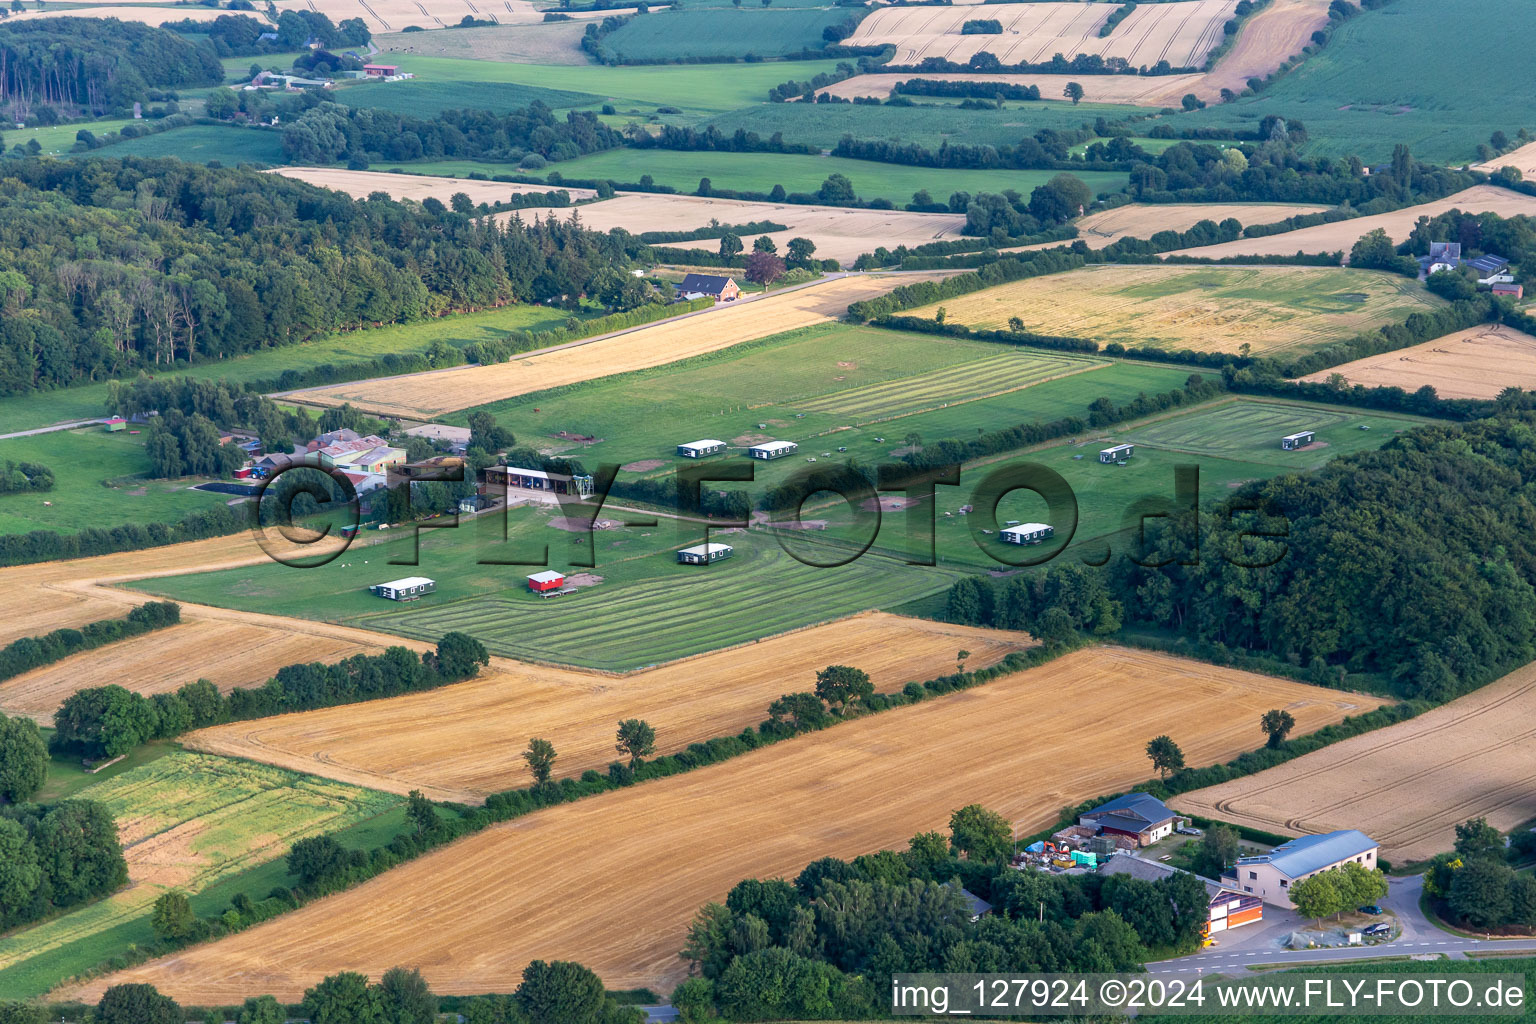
point(1476, 884)
point(240, 35)
point(26, 653)
point(106, 721)
point(54, 857)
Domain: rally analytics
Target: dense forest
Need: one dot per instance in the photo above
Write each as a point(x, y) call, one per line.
point(118, 264)
point(95, 66)
point(56, 857)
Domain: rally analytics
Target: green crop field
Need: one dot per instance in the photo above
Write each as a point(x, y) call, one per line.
point(759, 172)
point(693, 88)
point(428, 99)
point(99, 480)
point(205, 143)
point(188, 821)
point(1250, 429)
point(1355, 100)
point(725, 32)
point(60, 137)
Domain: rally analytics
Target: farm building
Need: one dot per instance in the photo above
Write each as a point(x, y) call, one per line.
point(1269, 876)
point(115, 424)
point(1225, 910)
point(1491, 269)
point(538, 480)
point(773, 449)
point(1139, 816)
point(408, 589)
point(1510, 290)
point(703, 554)
point(1300, 439)
point(1026, 533)
point(380, 70)
point(699, 449)
point(543, 582)
point(1442, 256)
point(1119, 453)
point(698, 286)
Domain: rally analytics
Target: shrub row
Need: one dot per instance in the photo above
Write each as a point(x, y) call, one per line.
point(29, 652)
point(756, 227)
point(47, 545)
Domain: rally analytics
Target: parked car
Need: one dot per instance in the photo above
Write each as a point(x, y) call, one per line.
point(1379, 928)
point(1185, 830)
point(1372, 909)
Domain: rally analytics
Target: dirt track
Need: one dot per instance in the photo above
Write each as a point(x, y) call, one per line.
point(423, 396)
point(1407, 786)
point(612, 881)
point(1478, 362)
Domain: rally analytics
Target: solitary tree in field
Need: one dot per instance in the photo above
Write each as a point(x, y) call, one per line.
point(1073, 92)
point(419, 810)
point(540, 756)
point(1166, 755)
point(1277, 723)
point(913, 439)
point(636, 738)
point(840, 685)
point(960, 659)
point(1016, 324)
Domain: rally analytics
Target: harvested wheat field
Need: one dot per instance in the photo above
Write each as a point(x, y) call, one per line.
point(1266, 40)
point(144, 13)
point(1181, 33)
point(1143, 220)
point(465, 742)
point(362, 184)
point(553, 884)
point(1523, 159)
point(423, 396)
point(396, 15)
point(1478, 362)
point(1211, 309)
point(1342, 235)
point(1406, 786)
point(1138, 90)
point(839, 233)
point(227, 652)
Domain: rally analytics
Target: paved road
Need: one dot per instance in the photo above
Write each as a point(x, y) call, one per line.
point(71, 425)
point(659, 1013)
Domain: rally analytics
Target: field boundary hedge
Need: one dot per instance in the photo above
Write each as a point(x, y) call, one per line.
point(29, 652)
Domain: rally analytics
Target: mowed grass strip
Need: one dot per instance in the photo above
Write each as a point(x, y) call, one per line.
point(1212, 309)
point(473, 914)
point(990, 376)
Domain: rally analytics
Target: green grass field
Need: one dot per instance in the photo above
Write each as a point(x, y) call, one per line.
point(1354, 102)
point(759, 172)
point(428, 99)
point(99, 480)
point(60, 137)
point(194, 822)
point(205, 143)
point(725, 32)
point(694, 88)
point(1251, 430)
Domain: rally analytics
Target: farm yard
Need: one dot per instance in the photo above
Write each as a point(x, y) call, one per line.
point(1478, 362)
point(1407, 786)
point(840, 233)
point(463, 743)
point(426, 396)
point(186, 821)
point(1180, 33)
point(1341, 235)
point(472, 924)
point(1251, 430)
point(227, 652)
point(1215, 309)
point(362, 184)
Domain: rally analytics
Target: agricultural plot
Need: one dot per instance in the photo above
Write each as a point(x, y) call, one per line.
point(724, 32)
point(227, 652)
point(1266, 40)
point(1216, 309)
point(471, 924)
point(1143, 220)
point(1136, 90)
point(1251, 430)
point(362, 184)
point(186, 821)
point(1406, 786)
point(758, 172)
point(100, 480)
point(426, 396)
point(61, 137)
point(1180, 33)
point(143, 13)
point(1340, 236)
point(1522, 159)
point(463, 743)
point(204, 143)
point(840, 233)
point(550, 43)
point(428, 98)
point(395, 15)
point(1478, 362)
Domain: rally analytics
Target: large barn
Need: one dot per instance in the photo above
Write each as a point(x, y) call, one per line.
point(408, 589)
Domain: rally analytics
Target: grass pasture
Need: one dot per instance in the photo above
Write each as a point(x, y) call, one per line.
point(426, 98)
point(1219, 309)
point(724, 32)
point(205, 143)
point(473, 914)
point(187, 821)
point(59, 138)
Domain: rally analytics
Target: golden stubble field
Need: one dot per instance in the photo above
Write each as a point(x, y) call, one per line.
point(1181, 33)
point(425, 395)
point(396, 15)
point(1342, 235)
point(1524, 159)
point(1143, 220)
point(1212, 309)
point(466, 741)
point(840, 233)
point(613, 881)
point(1478, 362)
point(1138, 90)
point(362, 184)
point(1406, 786)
